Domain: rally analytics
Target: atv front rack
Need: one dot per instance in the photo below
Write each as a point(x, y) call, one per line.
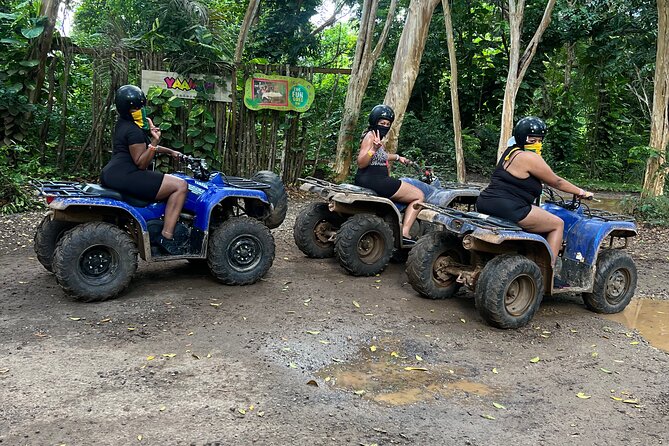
point(244, 183)
point(609, 216)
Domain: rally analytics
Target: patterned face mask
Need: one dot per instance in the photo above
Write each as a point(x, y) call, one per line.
point(383, 130)
point(534, 147)
point(139, 117)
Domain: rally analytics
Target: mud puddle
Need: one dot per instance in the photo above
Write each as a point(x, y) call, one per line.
point(649, 317)
point(394, 378)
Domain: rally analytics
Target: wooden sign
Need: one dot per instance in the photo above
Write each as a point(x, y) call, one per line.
point(214, 88)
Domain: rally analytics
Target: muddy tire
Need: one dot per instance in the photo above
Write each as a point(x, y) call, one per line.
point(46, 238)
point(425, 263)
point(276, 195)
point(364, 244)
point(313, 228)
point(615, 282)
point(509, 291)
point(95, 261)
point(241, 251)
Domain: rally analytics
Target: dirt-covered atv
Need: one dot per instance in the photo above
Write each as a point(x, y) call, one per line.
point(510, 270)
point(362, 229)
point(91, 236)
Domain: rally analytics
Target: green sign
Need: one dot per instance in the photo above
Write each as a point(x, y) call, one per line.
point(278, 93)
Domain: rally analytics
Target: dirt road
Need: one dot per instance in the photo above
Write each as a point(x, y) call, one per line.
point(312, 356)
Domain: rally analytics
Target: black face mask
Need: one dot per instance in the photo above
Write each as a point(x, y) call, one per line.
point(383, 131)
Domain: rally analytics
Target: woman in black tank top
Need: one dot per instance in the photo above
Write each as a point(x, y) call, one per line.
point(516, 183)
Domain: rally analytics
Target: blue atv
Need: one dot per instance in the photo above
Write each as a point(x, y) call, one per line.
point(91, 236)
point(362, 230)
point(510, 270)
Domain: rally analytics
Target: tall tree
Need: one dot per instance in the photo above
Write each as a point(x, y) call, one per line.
point(407, 62)
point(656, 170)
point(40, 51)
point(251, 13)
point(518, 65)
point(366, 55)
point(455, 101)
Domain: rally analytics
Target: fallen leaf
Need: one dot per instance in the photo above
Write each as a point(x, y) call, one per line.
point(634, 343)
point(285, 349)
point(150, 358)
point(306, 301)
point(292, 365)
point(594, 354)
point(214, 304)
point(313, 332)
point(360, 392)
point(131, 329)
point(311, 382)
point(494, 370)
point(261, 413)
point(139, 437)
point(605, 370)
point(616, 398)
point(631, 401)
point(75, 318)
point(498, 406)
point(323, 341)
point(583, 396)
point(463, 321)
point(377, 281)
point(418, 358)
point(337, 360)
point(535, 359)
point(241, 411)
point(394, 354)
point(419, 369)
point(373, 348)
point(105, 320)
point(251, 407)
point(162, 408)
point(169, 355)
point(327, 379)
point(487, 417)
point(195, 356)
point(4, 371)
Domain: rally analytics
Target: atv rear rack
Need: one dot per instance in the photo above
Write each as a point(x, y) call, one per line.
point(323, 187)
point(477, 219)
point(61, 189)
point(244, 183)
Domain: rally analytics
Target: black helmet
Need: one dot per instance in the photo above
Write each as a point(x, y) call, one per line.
point(380, 112)
point(529, 126)
point(127, 97)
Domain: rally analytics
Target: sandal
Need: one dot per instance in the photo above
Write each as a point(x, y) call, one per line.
point(406, 241)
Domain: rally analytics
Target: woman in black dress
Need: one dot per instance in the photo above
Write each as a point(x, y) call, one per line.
point(374, 169)
point(135, 144)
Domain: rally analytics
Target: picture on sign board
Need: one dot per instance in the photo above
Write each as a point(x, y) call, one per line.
point(270, 91)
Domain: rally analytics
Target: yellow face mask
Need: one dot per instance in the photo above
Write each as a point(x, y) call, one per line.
point(139, 117)
point(534, 147)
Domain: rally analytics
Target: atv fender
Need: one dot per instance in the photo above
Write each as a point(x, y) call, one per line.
point(346, 203)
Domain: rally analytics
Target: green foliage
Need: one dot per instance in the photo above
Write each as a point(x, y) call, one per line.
point(197, 137)
point(653, 210)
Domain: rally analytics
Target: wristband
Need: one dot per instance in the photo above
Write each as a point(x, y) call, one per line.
point(370, 153)
point(152, 147)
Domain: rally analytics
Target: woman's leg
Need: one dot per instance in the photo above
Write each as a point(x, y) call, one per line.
point(543, 222)
point(175, 190)
point(411, 195)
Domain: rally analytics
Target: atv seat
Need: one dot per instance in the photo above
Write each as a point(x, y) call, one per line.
point(496, 221)
point(101, 191)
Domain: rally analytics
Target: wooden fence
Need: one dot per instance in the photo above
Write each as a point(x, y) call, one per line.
point(246, 141)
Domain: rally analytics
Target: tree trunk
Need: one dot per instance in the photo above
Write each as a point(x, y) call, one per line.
point(43, 45)
point(518, 65)
point(455, 101)
point(251, 11)
point(361, 70)
point(407, 62)
point(656, 169)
